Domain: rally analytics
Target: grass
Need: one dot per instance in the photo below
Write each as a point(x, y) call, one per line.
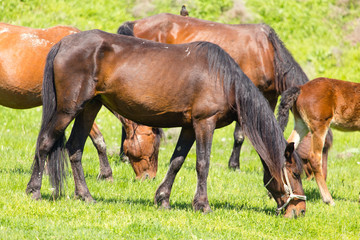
point(124, 208)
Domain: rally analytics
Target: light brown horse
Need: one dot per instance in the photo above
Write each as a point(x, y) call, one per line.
point(196, 86)
point(23, 53)
point(255, 47)
point(317, 105)
point(142, 144)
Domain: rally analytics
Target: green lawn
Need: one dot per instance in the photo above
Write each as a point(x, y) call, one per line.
point(316, 36)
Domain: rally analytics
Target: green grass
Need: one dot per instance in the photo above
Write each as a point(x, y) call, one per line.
point(125, 209)
point(241, 208)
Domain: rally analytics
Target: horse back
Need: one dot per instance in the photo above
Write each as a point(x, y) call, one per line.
point(247, 44)
point(22, 62)
point(139, 79)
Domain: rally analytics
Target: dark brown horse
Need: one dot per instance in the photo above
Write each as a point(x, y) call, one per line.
point(317, 105)
point(255, 47)
point(22, 61)
point(160, 85)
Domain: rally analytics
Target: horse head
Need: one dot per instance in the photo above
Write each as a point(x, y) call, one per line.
point(141, 146)
point(288, 192)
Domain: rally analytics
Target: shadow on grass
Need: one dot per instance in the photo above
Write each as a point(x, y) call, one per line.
point(187, 206)
point(17, 170)
point(313, 195)
point(246, 207)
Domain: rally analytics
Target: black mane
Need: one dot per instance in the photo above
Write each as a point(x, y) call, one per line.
point(253, 110)
point(288, 72)
point(127, 28)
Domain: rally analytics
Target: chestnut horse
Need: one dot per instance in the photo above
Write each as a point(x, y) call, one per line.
point(160, 85)
point(317, 105)
point(22, 61)
point(255, 47)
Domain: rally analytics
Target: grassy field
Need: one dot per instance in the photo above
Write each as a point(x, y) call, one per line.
point(318, 33)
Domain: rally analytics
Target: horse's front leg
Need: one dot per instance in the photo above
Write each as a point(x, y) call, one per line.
point(99, 143)
point(183, 146)
point(204, 131)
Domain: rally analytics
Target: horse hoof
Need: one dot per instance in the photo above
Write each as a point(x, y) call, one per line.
point(205, 208)
point(164, 206)
point(330, 202)
point(90, 200)
point(36, 195)
point(161, 200)
point(29, 190)
point(106, 177)
point(85, 197)
point(234, 166)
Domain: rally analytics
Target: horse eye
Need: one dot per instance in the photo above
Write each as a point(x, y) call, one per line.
point(296, 175)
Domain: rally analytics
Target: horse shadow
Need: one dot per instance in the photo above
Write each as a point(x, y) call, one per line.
point(17, 170)
point(313, 196)
point(187, 206)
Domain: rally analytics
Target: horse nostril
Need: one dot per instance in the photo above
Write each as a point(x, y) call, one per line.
point(302, 212)
point(146, 176)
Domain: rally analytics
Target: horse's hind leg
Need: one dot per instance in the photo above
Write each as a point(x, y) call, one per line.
point(317, 144)
point(183, 146)
point(234, 161)
point(47, 138)
point(99, 143)
point(326, 149)
point(75, 147)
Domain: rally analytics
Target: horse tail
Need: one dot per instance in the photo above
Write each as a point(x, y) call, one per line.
point(127, 28)
point(288, 72)
point(56, 163)
point(288, 98)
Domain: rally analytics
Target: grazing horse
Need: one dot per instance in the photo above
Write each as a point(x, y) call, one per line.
point(142, 144)
point(317, 105)
point(22, 61)
point(255, 47)
point(195, 86)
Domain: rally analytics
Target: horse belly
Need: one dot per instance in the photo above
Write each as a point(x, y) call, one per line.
point(147, 113)
point(19, 100)
point(346, 124)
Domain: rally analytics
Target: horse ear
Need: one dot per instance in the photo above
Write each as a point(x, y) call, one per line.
point(289, 151)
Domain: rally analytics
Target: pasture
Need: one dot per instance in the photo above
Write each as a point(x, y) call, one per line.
point(240, 204)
